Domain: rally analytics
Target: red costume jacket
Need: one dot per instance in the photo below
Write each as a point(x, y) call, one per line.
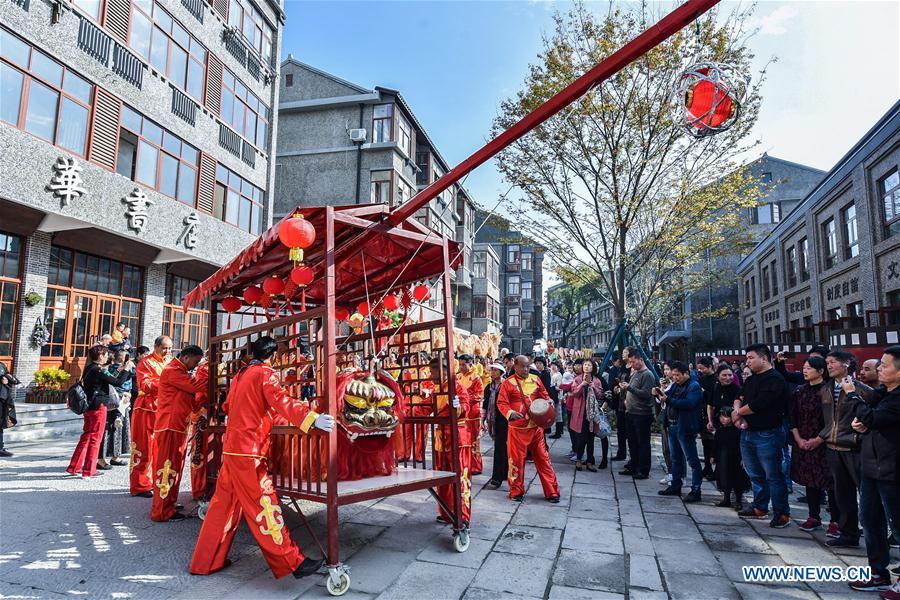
point(517, 395)
point(471, 383)
point(254, 400)
point(148, 373)
point(178, 396)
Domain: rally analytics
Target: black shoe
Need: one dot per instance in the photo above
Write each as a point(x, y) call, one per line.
point(118, 463)
point(842, 542)
point(626, 472)
point(602, 464)
point(553, 499)
point(308, 567)
point(178, 517)
point(493, 484)
point(724, 503)
point(555, 436)
point(641, 476)
point(619, 457)
point(692, 497)
point(179, 507)
point(670, 491)
point(104, 467)
point(708, 474)
point(5, 453)
point(738, 502)
point(519, 498)
point(146, 494)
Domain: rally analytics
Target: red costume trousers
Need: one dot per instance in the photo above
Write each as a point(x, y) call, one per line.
point(444, 462)
point(169, 452)
point(244, 489)
point(474, 428)
point(141, 465)
point(519, 443)
point(198, 469)
point(88, 448)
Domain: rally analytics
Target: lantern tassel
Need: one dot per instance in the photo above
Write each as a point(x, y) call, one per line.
point(296, 255)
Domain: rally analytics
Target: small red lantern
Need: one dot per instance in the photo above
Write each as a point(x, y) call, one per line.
point(363, 309)
point(341, 313)
point(273, 285)
point(297, 233)
point(253, 294)
point(232, 304)
point(391, 302)
point(302, 275)
point(421, 293)
point(707, 98)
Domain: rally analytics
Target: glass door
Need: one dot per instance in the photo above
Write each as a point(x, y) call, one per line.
point(84, 319)
point(107, 316)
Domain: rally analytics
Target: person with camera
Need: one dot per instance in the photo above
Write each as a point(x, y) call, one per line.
point(99, 386)
point(731, 477)
point(682, 405)
point(8, 383)
point(589, 399)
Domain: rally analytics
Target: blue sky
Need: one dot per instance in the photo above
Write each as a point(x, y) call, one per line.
point(838, 67)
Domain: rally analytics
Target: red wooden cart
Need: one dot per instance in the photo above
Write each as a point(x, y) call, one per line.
point(361, 253)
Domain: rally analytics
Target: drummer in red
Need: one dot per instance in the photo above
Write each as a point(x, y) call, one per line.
point(471, 381)
point(516, 394)
point(199, 445)
point(244, 488)
point(177, 399)
point(462, 402)
point(143, 416)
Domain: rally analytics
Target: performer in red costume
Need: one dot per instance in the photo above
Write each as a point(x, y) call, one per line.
point(244, 488)
point(462, 402)
point(199, 438)
point(143, 416)
point(517, 393)
point(471, 381)
point(177, 399)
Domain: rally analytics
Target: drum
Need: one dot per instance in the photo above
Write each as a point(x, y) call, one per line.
point(542, 413)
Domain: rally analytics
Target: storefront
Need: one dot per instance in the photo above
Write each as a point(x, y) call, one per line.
point(10, 288)
point(184, 328)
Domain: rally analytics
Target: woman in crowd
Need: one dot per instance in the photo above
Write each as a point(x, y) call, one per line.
point(568, 381)
point(587, 402)
point(809, 466)
point(96, 382)
point(732, 479)
point(116, 442)
point(8, 383)
point(665, 383)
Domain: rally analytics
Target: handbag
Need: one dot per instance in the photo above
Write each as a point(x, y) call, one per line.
point(605, 428)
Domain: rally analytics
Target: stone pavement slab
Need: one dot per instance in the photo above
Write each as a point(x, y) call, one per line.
point(598, 536)
point(644, 572)
point(428, 580)
point(530, 541)
point(514, 573)
point(441, 551)
point(591, 570)
point(562, 592)
point(690, 586)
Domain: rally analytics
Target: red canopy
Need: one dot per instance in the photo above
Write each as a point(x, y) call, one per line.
point(407, 253)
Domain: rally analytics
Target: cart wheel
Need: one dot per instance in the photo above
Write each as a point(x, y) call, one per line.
point(202, 507)
point(461, 541)
point(340, 588)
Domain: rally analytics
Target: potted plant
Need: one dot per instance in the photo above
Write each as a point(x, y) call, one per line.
point(49, 386)
point(32, 298)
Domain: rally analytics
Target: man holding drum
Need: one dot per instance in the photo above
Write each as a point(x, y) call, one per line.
point(525, 403)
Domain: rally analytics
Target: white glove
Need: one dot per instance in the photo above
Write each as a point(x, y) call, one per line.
point(455, 401)
point(324, 422)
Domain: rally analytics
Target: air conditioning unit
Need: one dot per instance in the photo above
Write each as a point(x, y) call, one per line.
point(358, 135)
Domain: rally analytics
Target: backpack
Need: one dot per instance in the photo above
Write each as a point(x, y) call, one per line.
point(76, 398)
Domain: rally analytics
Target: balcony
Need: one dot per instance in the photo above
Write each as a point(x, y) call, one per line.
point(513, 267)
point(512, 300)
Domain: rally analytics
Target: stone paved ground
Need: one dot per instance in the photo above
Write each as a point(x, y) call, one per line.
point(609, 538)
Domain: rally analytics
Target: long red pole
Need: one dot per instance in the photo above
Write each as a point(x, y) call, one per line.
point(649, 39)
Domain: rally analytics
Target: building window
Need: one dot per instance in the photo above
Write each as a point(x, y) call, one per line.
point(855, 312)
point(835, 314)
point(10, 284)
point(890, 195)
point(767, 290)
point(86, 297)
point(766, 214)
point(172, 51)
point(380, 187)
point(774, 272)
point(753, 289)
point(156, 158)
point(404, 192)
point(513, 317)
point(404, 135)
point(479, 268)
point(526, 261)
point(512, 254)
point(829, 236)
point(255, 29)
point(851, 233)
point(746, 293)
point(383, 123)
point(241, 109)
point(237, 201)
point(526, 290)
point(803, 259)
point(40, 96)
point(184, 328)
point(526, 322)
point(91, 8)
point(289, 80)
point(790, 264)
point(512, 286)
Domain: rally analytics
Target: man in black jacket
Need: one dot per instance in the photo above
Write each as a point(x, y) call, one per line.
point(496, 425)
point(707, 379)
point(879, 500)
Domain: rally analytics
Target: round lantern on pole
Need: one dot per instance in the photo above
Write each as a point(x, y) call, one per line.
point(231, 304)
point(391, 302)
point(297, 234)
point(341, 313)
point(421, 293)
point(302, 275)
point(363, 309)
point(253, 294)
point(707, 98)
point(273, 285)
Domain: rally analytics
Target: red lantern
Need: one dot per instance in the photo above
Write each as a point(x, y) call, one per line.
point(708, 103)
point(253, 294)
point(232, 304)
point(707, 98)
point(391, 302)
point(297, 233)
point(421, 293)
point(341, 313)
point(363, 309)
point(273, 285)
point(302, 275)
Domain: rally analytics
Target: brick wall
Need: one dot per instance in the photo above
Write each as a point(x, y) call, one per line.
point(37, 262)
point(154, 296)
